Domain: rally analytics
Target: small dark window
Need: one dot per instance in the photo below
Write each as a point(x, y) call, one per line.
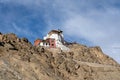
point(52, 44)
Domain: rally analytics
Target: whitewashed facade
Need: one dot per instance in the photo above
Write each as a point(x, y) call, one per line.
point(59, 38)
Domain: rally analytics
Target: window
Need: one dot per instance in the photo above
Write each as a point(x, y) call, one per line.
point(52, 44)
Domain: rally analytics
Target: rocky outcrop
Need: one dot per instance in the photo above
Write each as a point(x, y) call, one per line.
point(19, 60)
point(90, 54)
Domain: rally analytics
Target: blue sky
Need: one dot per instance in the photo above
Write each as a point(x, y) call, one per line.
point(89, 22)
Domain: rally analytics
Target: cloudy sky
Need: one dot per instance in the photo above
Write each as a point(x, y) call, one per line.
point(89, 22)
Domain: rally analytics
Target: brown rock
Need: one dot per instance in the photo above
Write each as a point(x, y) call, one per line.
point(20, 60)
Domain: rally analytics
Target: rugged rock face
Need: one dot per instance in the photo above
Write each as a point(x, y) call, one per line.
point(19, 60)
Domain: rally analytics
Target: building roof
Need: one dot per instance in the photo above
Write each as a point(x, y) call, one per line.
point(36, 42)
point(55, 31)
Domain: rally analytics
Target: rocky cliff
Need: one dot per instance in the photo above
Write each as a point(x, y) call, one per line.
point(20, 60)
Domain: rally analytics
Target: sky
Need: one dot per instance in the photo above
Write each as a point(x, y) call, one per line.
point(88, 22)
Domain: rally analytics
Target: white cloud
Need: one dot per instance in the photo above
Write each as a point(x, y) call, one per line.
point(23, 31)
point(27, 3)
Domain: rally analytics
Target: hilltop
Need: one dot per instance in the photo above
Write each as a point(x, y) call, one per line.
point(20, 60)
